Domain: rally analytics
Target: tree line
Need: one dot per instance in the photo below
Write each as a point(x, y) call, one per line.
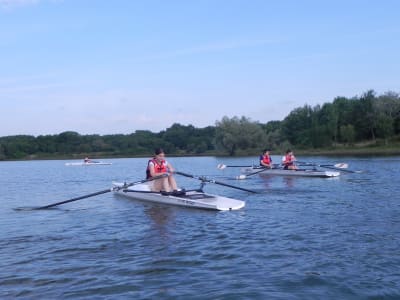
point(342, 123)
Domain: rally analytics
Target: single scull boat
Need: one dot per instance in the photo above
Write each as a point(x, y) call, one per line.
point(92, 163)
point(191, 198)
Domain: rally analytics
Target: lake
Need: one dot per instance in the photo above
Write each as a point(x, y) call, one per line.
point(298, 238)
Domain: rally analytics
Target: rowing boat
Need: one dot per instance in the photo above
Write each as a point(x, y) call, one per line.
point(92, 163)
point(190, 198)
point(298, 172)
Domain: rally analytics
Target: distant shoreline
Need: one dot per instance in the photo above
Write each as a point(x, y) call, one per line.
point(354, 151)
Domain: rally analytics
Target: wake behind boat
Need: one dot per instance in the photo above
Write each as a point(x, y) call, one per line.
point(192, 198)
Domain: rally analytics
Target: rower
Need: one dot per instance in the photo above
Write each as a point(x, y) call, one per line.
point(288, 161)
point(158, 166)
point(265, 159)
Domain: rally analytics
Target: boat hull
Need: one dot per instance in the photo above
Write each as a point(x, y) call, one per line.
point(192, 199)
point(301, 172)
point(87, 164)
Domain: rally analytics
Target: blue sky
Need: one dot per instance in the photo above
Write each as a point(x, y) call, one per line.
point(109, 67)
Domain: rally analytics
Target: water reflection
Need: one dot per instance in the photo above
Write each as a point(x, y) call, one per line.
point(161, 217)
point(270, 181)
point(288, 181)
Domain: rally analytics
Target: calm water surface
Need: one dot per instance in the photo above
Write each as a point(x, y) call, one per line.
point(299, 238)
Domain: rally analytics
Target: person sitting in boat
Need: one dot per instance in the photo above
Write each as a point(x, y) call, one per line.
point(288, 161)
point(87, 160)
point(265, 159)
point(158, 166)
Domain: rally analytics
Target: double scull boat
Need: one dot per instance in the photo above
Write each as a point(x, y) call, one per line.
point(283, 172)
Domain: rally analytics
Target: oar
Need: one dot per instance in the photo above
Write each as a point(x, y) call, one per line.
point(203, 179)
point(222, 166)
point(339, 167)
point(244, 176)
point(99, 193)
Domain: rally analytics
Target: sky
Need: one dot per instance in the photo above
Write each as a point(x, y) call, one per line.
point(114, 67)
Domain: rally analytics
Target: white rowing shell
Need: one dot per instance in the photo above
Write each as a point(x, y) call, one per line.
point(87, 164)
point(193, 199)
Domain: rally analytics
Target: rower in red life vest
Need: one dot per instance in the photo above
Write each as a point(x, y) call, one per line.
point(265, 159)
point(288, 161)
point(158, 166)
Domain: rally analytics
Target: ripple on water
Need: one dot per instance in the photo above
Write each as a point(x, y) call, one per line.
point(297, 239)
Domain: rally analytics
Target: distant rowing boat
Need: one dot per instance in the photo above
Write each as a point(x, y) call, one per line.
point(192, 198)
point(251, 170)
point(91, 163)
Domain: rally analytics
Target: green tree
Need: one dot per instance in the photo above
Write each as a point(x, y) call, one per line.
point(347, 133)
point(2, 152)
point(384, 127)
point(234, 134)
point(178, 135)
point(364, 117)
point(297, 126)
point(274, 136)
point(344, 108)
point(46, 143)
point(328, 117)
point(387, 109)
point(68, 142)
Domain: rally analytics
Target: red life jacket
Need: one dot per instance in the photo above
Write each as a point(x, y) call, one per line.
point(158, 167)
point(266, 159)
point(288, 160)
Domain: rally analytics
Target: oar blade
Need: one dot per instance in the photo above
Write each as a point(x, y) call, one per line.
point(341, 165)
